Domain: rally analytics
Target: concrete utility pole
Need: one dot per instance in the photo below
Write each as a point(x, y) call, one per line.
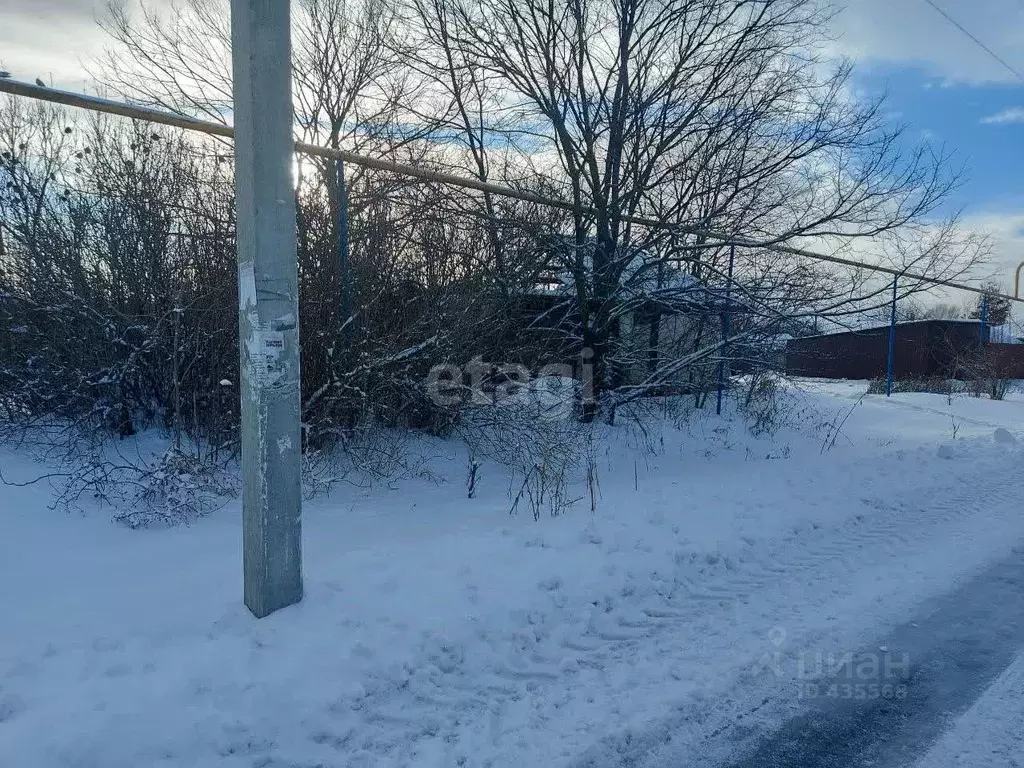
point(268, 304)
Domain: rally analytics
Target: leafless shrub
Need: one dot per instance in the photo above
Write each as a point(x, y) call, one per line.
point(364, 457)
point(934, 385)
point(999, 388)
point(761, 403)
point(537, 437)
point(118, 289)
point(178, 488)
point(142, 489)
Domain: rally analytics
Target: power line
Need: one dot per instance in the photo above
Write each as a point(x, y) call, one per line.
point(148, 114)
point(1016, 72)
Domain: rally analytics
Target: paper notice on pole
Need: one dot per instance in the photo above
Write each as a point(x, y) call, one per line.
point(266, 350)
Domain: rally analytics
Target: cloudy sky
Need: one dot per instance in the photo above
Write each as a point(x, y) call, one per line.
point(939, 83)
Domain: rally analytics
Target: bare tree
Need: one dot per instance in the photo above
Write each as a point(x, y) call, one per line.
point(700, 113)
point(990, 306)
point(694, 115)
point(943, 311)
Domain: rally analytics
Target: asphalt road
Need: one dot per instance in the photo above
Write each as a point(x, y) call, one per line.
point(884, 707)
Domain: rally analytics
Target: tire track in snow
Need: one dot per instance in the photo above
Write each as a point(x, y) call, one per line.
point(897, 403)
point(452, 695)
point(925, 514)
point(697, 590)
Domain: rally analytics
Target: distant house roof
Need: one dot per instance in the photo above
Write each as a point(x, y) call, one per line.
point(640, 274)
point(651, 279)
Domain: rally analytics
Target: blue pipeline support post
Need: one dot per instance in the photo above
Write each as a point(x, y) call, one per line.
point(344, 299)
point(892, 340)
point(984, 320)
point(725, 330)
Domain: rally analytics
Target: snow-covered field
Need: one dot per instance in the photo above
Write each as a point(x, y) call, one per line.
point(439, 631)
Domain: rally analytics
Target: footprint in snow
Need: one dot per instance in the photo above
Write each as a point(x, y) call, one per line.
point(550, 584)
point(10, 706)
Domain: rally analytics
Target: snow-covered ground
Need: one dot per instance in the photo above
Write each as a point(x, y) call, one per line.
point(437, 630)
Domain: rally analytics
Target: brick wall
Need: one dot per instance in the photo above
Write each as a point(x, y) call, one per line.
point(924, 349)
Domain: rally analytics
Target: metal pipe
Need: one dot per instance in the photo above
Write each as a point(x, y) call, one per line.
point(96, 104)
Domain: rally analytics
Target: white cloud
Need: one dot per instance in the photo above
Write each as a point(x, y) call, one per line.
point(1011, 115)
point(43, 36)
point(911, 33)
point(54, 39)
point(1007, 231)
point(50, 45)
